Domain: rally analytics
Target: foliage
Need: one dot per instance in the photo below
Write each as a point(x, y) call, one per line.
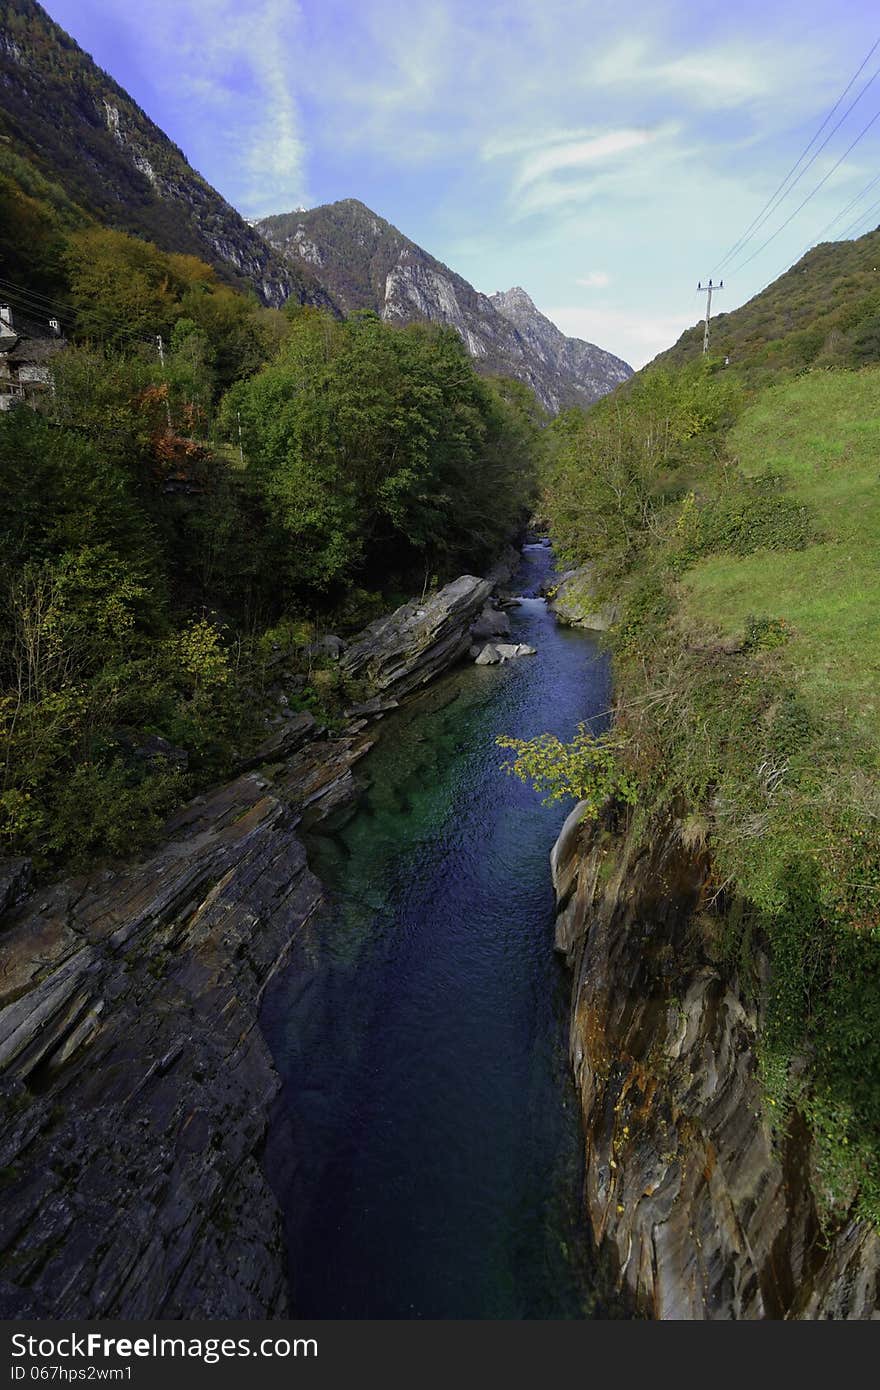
point(824, 311)
point(608, 471)
point(588, 768)
point(156, 570)
point(739, 518)
point(746, 656)
point(378, 450)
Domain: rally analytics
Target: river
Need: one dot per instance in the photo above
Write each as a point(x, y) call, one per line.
point(425, 1147)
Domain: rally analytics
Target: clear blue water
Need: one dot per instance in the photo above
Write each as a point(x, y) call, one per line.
point(425, 1148)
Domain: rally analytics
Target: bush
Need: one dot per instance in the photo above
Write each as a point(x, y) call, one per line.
point(589, 768)
point(745, 516)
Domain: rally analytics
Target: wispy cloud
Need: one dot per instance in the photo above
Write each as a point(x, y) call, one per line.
point(236, 54)
point(596, 280)
point(517, 142)
point(578, 154)
point(727, 76)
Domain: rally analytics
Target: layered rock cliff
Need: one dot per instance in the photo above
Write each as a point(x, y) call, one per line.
point(134, 1078)
point(366, 263)
point(705, 1212)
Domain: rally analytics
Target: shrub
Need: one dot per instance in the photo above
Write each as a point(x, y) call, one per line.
point(589, 768)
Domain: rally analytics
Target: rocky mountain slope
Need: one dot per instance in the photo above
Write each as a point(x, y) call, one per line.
point(591, 371)
point(366, 263)
point(60, 113)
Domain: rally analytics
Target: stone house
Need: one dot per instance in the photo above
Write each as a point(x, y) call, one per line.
point(26, 352)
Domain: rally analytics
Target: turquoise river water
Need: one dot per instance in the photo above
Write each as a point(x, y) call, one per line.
point(425, 1148)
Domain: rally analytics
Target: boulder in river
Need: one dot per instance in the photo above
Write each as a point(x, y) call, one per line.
point(574, 602)
point(410, 646)
point(496, 652)
point(492, 622)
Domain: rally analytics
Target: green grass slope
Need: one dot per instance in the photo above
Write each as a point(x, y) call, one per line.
point(820, 434)
point(734, 515)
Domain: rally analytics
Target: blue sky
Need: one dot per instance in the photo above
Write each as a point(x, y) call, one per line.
point(603, 156)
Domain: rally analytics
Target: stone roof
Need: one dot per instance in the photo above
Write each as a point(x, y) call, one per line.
point(34, 351)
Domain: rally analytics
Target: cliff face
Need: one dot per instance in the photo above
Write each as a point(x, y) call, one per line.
point(704, 1212)
point(366, 263)
point(134, 1078)
point(573, 360)
point(85, 133)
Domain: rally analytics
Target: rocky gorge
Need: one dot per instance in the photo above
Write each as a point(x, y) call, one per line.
point(135, 1081)
point(138, 1085)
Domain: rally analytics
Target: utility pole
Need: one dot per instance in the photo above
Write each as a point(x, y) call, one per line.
point(161, 347)
point(707, 290)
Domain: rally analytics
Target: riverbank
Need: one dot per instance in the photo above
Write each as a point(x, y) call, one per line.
point(707, 1208)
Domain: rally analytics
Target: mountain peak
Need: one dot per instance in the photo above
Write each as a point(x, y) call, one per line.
point(516, 296)
point(366, 263)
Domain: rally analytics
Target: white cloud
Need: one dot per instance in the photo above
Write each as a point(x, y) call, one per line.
point(576, 154)
point(237, 57)
point(725, 75)
point(524, 142)
point(595, 280)
point(630, 334)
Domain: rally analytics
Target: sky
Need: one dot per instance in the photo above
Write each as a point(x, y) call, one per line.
point(603, 156)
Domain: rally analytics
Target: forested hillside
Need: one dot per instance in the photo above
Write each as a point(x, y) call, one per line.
point(823, 312)
point(175, 526)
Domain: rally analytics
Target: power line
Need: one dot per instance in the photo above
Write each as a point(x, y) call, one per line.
point(851, 204)
point(33, 294)
point(775, 198)
point(867, 212)
point(862, 133)
point(708, 291)
point(32, 303)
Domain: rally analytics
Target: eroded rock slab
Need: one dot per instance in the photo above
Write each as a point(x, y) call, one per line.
point(407, 648)
point(134, 1078)
point(575, 604)
point(705, 1214)
point(495, 653)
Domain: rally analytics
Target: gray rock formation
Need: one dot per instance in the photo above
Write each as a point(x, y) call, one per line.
point(135, 1081)
point(561, 358)
point(492, 622)
point(496, 653)
point(366, 263)
point(408, 647)
point(574, 602)
point(704, 1212)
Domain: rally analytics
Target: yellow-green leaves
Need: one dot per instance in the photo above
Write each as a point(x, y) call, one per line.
point(589, 768)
